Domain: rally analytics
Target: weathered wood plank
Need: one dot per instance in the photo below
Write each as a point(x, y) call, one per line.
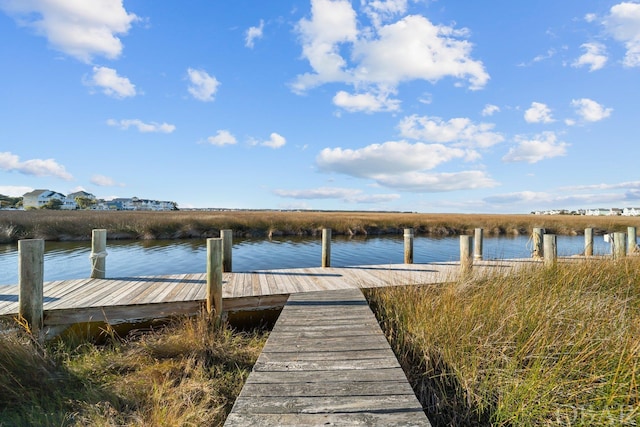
point(312, 371)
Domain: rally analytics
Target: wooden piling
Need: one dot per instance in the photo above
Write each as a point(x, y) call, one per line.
point(214, 276)
point(536, 237)
point(588, 242)
point(227, 245)
point(477, 243)
point(326, 247)
point(408, 245)
point(31, 282)
point(98, 253)
point(466, 258)
point(550, 250)
point(631, 240)
point(619, 247)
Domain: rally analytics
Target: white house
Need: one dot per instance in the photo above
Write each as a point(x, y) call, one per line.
point(38, 198)
point(631, 212)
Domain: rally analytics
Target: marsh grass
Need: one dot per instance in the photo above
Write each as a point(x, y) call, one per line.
point(542, 346)
point(77, 225)
point(187, 373)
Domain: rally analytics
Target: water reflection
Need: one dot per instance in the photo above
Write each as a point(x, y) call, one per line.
point(69, 260)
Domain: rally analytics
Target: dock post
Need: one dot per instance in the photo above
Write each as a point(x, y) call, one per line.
point(227, 245)
point(619, 245)
point(537, 243)
point(550, 250)
point(408, 245)
point(588, 242)
point(466, 258)
point(477, 243)
point(98, 253)
point(214, 277)
point(326, 247)
point(631, 240)
point(31, 281)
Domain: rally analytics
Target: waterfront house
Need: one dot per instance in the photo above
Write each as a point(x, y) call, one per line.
point(631, 212)
point(36, 199)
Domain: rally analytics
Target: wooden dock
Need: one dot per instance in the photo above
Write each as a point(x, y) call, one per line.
point(129, 299)
point(326, 362)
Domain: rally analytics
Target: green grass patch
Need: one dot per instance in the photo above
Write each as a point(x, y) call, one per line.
point(542, 346)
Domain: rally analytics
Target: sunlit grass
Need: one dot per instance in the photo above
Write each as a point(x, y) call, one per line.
point(62, 225)
point(188, 373)
point(543, 346)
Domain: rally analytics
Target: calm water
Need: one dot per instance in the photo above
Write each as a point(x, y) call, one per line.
point(70, 260)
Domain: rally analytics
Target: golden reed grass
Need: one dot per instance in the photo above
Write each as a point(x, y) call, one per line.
point(77, 225)
point(541, 346)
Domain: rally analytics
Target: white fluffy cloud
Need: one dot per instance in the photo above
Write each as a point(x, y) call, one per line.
point(111, 84)
point(392, 157)
point(252, 34)
point(202, 87)
point(48, 167)
point(14, 190)
point(623, 23)
point(538, 113)
point(382, 57)
point(457, 131)
point(222, 138)
point(533, 150)
point(594, 57)
point(142, 126)
point(275, 141)
point(590, 111)
point(421, 182)
point(78, 28)
point(105, 181)
point(345, 194)
point(490, 110)
point(366, 102)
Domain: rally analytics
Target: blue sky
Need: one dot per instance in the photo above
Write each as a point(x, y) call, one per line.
point(412, 105)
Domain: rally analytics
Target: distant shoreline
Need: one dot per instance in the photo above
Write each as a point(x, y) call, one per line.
point(146, 225)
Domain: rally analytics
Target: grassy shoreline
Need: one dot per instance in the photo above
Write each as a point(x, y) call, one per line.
point(77, 225)
point(543, 346)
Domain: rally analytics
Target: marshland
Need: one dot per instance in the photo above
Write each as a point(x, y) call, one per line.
point(541, 346)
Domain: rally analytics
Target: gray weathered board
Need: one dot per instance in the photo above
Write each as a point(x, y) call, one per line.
point(327, 362)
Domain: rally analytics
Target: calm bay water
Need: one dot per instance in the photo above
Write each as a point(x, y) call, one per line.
point(70, 260)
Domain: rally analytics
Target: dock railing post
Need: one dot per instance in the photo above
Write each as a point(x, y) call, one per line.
point(326, 247)
point(550, 250)
point(619, 245)
point(214, 277)
point(98, 253)
point(631, 240)
point(466, 258)
point(477, 243)
point(31, 282)
point(408, 245)
point(227, 245)
point(536, 237)
point(588, 242)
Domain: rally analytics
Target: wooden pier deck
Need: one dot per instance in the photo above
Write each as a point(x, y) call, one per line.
point(326, 362)
point(128, 299)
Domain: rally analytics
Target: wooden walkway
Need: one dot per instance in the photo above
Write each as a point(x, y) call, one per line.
point(326, 362)
point(129, 299)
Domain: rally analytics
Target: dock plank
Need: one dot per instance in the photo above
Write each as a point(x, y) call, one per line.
point(313, 369)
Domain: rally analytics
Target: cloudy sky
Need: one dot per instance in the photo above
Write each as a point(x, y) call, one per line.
point(413, 105)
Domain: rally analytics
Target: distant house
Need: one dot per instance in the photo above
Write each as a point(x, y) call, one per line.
point(36, 199)
point(603, 212)
point(136, 204)
point(631, 212)
point(82, 194)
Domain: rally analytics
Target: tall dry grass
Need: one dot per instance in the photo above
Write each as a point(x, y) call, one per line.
point(543, 346)
point(188, 373)
point(77, 225)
